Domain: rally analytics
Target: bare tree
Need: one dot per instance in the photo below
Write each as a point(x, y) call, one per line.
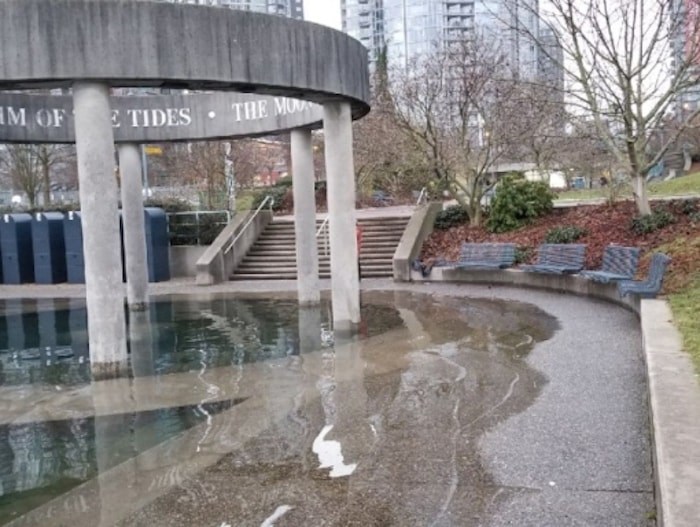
point(455, 106)
point(219, 168)
point(627, 63)
point(385, 157)
point(539, 130)
point(30, 168)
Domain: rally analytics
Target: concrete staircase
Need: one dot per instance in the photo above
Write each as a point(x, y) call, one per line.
point(273, 256)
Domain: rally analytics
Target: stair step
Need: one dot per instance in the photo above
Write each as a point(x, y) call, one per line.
point(273, 256)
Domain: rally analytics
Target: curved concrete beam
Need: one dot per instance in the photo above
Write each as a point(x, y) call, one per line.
point(52, 43)
point(158, 118)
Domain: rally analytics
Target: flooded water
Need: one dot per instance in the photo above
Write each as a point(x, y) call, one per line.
point(46, 342)
point(249, 412)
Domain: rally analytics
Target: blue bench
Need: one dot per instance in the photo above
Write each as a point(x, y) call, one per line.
point(558, 258)
point(486, 256)
point(619, 263)
point(381, 198)
point(650, 287)
point(427, 266)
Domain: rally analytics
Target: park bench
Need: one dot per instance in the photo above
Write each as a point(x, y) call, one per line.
point(558, 258)
point(619, 263)
point(650, 287)
point(381, 198)
point(486, 256)
point(424, 267)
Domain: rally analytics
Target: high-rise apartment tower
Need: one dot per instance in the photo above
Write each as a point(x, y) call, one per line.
point(407, 29)
point(289, 8)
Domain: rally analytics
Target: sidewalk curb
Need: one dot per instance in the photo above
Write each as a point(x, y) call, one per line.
point(674, 407)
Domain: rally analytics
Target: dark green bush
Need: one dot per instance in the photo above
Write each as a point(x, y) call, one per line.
point(688, 207)
point(170, 204)
point(285, 182)
point(192, 229)
point(523, 254)
point(278, 194)
point(568, 234)
point(454, 215)
point(658, 219)
point(695, 217)
point(320, 185)
point(517, 201)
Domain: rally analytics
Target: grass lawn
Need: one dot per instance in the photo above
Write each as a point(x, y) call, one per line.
point(686, 314)
point(682, 286)
point(680, 186)
point(245, 199)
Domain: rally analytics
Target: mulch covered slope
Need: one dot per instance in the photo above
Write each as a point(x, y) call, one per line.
point(604, 225)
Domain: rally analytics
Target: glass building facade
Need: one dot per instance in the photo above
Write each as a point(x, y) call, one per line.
point(290, 8)
point(411, 28)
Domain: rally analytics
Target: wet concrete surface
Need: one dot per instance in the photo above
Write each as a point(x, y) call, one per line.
point(482, 411)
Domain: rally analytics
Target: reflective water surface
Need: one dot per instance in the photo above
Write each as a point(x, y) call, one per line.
point(304, 429)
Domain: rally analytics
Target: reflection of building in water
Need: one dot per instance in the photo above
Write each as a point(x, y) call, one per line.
point(39, 455)
point(58, 455)
point(43, 341)
point(46, 341)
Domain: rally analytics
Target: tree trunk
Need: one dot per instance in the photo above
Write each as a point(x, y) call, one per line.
point(639, 186)
point(475, 216)
point(46, 180)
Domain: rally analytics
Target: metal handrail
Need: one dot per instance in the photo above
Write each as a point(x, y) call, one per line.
point(321, 229)
point(250, 220)
point(423, 194)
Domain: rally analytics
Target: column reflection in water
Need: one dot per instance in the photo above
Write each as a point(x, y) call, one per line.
point(342, 440)
point(141, 344)
point(110, 442)
point(309, 329)
point(15, 325)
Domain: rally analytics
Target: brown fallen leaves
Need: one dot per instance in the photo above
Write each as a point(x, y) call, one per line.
point(604, 225)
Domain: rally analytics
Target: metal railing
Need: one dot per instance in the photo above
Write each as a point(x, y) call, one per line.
point(268, 199)
point(423, 196)
point(193, 230)
point(323, 231)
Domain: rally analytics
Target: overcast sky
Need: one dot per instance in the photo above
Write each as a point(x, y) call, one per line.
point(326, 12)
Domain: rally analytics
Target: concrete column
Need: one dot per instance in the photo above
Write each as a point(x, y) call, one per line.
point(340, 173)
point(305, 218)
point(104, 294)
point(134, 232)
point(309, 329)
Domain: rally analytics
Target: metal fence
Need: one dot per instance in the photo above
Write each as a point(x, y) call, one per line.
point(196, 227)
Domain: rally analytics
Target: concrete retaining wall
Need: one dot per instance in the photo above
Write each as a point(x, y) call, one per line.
point(674, 404)
point(418, 229)
point(183, 260)
point(216, 265)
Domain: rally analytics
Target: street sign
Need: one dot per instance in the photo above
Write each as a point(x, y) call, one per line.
point(153, 150)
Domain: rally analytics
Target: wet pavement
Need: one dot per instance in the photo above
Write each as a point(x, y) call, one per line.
point(487, 407)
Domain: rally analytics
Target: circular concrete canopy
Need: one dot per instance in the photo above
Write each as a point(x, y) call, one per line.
point(135, 43)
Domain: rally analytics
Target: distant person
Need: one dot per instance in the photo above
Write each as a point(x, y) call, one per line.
point(358, 236)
